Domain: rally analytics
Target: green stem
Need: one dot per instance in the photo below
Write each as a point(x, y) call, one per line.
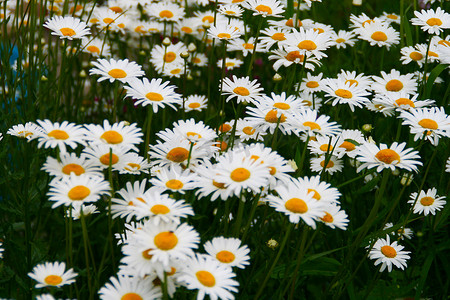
point(301, 253)
point(252, 213)
point(274, 263)
point(147, 134)
point(86, 253)
point(252, 59)
point(240, 214)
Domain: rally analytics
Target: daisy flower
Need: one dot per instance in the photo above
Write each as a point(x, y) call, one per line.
point(159, 208)
point(394, 82)
point(223, 31)
point(396, 156)
point(390, 18)
point(131, 194)
point(245, 131)
point(177, 152)
point(174, 179)
point(309, 42)
point(272, 36)
point(335, 217)
point(246, 47)
point(238, 171)
point(282, 103)
point(348, 141)
point(267, 118)
point(87, 210)
point(431, 123)
point(343, 38)
point(168, 241)
point(310, 101)
point(128, 287)
point(388, 254)
point(308, 120)
point(321, 145)
point(208, 183)
point(242, 88)
point(189, 130)
point(96, 47)
point(118, 134)
point(113, 70)
point(153, 93)
point(195, 102)
point(447, 165)
point(344, 92)
point(230, 63)
point(209, 277)
point(52, 274)
point(163, 57)
point(297, 203)
point(77, 190)
point(69, 163)
point(165, 11)
point(67, 27)
point(433, 22)
point(265, 8)
point(59, 135)
point(228, 251)
point(400, 101)
point(230, 10)
point(133, 163)
point(410, 54)
point(321, 190)
point(311, 83)
point(286, 58)
point(104, 156)
point(401, 233)
point(28, 130)
point(427, 202)
point(379, 34)
point(107, 19)
point(333, 165)
point(359, 80)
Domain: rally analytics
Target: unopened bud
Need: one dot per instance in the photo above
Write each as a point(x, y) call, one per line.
point(192, 47)
point(272, 244)
point(43, 78)
point(83, 74)
point(396, 172)
point(142, 52)
point(406, 179)
point(357, 2)
point(206, 25)
point(184, 55)
point(221, 113)
point(189, 77)
point(367, 127)
point(166, 42)
point(277, 77)
point(293, 165)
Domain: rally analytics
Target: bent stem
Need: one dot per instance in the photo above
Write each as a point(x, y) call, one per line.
point(280, 251)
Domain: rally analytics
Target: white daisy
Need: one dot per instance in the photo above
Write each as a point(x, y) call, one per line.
point(112, 70)
point(432, 21)
point(394, 82)
point(344, 92)
point(195, 102)
point(128, 287)
point(333, 164)
point(228, 251)
point(335, 217)
point(67, 27)
point(388, 254)
point(118, 134)
point(174, 179)
point(69, 163)
point(59, 135)
point(52, 275)
point(427, 202)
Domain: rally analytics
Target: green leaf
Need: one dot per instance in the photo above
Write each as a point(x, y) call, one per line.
point(353, 142)
point(431, 78)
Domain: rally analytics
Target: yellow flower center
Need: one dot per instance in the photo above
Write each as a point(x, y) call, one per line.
point(224, 35)
point(206, 278)
point(225, 128)
point(434, 54)
point(293, 55)
point(271, 117)
point(53, 279)
point(316, 194)
point(330, 164)
point(264, 9)
point(166, 240)
point(434, 22)
point(426, 201)
point(225, 256)
point(218, 185)
point(210, 19)
point(104, 159)
point(194, 105)
point(154, 96)
point(388, 251)
point(160, 209)
point(404, 101)
point(348, 146)
point(75, 168)
point(131, 296)
point(352, 82)
point(93, 49)
point(394, 85)
point(319, 30)
point(108, 20)
point(343, 93)
point(248, 130)
point(230, 12)
point(175, 71)
point(340, 40)
point(379, 36)
point(240, 90)
point(112, 137)
point(392, 17)
point(296, 205)
point(388, 156)
point(444, 43)
point(282, 105)
point(132, 167)
point(169, 57)
point(416, 55)
point(248, 46)
point(240, 174)
point(58, 134)
point(279, 36)
point(186, 29)
point(78, 193)
point(177, 154)
point(312, 125)
point(166, 14)
point(272, 171)
point(307, 45)
point(67, 31)
point(117, 73)
point(326, 147)
point(312, 84)
point(116, 9)
point(174, 184)
point(428, 123)
point(327, 218)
